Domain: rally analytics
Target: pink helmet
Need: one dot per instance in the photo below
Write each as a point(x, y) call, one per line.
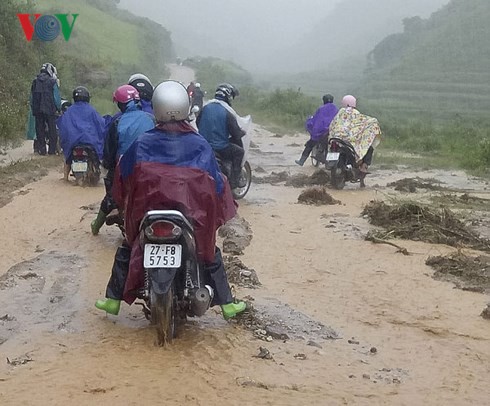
point(349, 101)
point(125, 93)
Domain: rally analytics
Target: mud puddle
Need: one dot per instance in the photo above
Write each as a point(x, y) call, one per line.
point(40, 295)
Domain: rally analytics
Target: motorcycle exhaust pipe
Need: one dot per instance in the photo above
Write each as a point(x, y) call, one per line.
point(201, 300)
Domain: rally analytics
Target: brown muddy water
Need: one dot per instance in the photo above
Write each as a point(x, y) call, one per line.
point(338, 320)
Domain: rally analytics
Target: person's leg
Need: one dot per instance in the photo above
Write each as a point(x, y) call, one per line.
point(115, 287)
point(66, 171)
point(310, 144)
point(234, 154)
point(222, 292)
point(52, 134)
point(106, 206)
point(41, 134)
point(368, 158)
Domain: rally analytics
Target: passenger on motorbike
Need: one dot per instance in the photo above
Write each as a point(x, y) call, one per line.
point(122, 132)
point(317, 125)
point(170, 167)
point(361, 131)
point(80, 124)
point(197, 96)
point(218, 124)
point(141, 83)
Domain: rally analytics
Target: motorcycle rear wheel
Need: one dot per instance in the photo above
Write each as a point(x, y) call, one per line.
point(163, 316)
point(239, 193)
point(338, 174)
point(314, 161)
point(93, 174)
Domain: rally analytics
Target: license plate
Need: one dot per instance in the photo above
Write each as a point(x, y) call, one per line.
point(333, 156)
point(79, 166)
point(163, 255)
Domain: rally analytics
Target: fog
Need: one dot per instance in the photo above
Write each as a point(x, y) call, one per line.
point(276, 34)
point(244, 31)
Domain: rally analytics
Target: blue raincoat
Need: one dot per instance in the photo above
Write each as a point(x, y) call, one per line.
point(81, 124)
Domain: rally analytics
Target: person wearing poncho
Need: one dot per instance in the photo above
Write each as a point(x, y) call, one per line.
point(170, 167)
point(361, 131)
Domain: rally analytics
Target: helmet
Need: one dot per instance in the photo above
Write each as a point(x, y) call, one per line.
point(81, 93)
point(125, 94)
point(138, 76)
point(226, 92)
point(349, 101)
point(171, 102)
point(328, 98)
point(50, 69)
point(143, 85)
point(198, 84)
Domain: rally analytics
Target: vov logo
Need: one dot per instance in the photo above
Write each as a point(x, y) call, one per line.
point(47, 27)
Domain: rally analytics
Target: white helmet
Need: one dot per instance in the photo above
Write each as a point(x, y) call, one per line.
point(50, 69)
point(198, 84)
point(171, 102)
point(138, 76)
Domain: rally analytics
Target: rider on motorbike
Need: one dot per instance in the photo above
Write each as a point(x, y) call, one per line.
point(197, 96)
point(361, 131)
point(80, 124)
point(167, 168)
point(122, 132)
point(141, 83)
point(317, 125)
point(218, 124)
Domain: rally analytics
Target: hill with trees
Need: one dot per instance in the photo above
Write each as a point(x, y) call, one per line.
point(106, 46)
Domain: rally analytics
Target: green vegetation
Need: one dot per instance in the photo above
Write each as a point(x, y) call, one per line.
point(429, 86)
point(107, 45)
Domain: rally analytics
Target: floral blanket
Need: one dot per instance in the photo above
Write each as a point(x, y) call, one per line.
point(360, 130)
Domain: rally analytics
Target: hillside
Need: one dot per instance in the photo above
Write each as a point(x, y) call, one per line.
point(352, 29)
point(106, 46)
point(438, 65)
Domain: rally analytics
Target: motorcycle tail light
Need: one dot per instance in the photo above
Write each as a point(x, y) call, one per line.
point(334, 147)
point(162, 229)
point(79, 152)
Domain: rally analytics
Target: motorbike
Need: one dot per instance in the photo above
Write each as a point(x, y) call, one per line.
point(319, 154)
point(246, 174)
point(85, 165)
point(342, 162)
point(174, 286)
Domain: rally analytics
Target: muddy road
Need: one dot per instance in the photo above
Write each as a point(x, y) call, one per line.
point(354, 322)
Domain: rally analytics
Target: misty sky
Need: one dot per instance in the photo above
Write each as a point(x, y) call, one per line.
point(249, 28)
point(260, 34)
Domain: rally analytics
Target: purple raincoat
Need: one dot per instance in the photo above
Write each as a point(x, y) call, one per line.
point(318, 124)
